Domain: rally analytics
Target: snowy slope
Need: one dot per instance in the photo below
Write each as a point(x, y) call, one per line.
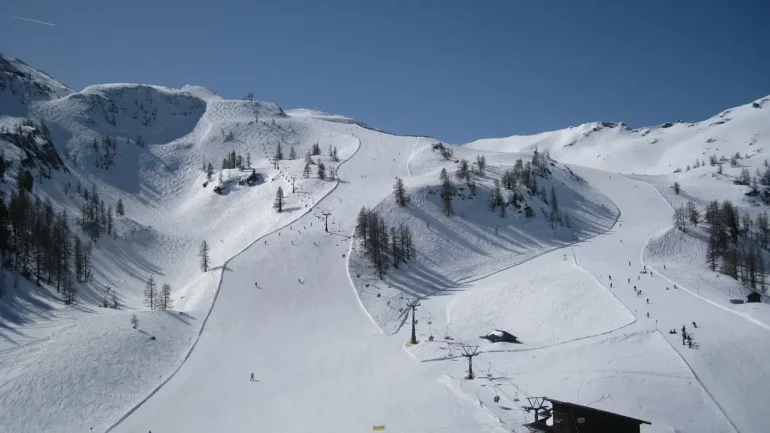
point(476, 241)
point(650, 150)
point(22, 85)
point(168, 214)
point(288, 300)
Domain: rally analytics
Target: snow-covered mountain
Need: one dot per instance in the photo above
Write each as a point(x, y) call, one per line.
point(658, 149)
point(295, 298)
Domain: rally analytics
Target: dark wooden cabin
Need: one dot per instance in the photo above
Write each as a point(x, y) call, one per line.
point(754, 297)
point(574, 418)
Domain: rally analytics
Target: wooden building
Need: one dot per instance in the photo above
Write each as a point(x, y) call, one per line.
point(754, 297)
point(574, 418)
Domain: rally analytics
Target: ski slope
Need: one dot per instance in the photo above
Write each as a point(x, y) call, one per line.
point(320, 362)
point(301, 308)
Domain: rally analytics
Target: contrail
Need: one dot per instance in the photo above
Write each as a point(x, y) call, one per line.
point(28, 19)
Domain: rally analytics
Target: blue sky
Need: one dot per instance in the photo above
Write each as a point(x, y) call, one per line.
point(454, 69)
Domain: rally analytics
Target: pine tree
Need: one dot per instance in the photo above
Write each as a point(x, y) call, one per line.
point(150, 293)
point(164, 297)
point(399, 192)
point(321, 171)
point(119, 207)
point(278, 203)
point(306, 171)
point(335, 157)
point(279, 152)
point(292, 153)
point(316, 149)
point(203, 254)
point(677, 188)
point(308, 159)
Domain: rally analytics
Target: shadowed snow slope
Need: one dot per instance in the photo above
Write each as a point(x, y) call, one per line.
point(475, 241)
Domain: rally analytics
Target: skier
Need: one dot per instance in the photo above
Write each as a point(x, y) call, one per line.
point(648, 300)
point(252, 377)
point(638, 277)
point(684, 331)
point(629, 263)
point(689, 343)
point(694, 325)
point(629, 281)
point(610, 276)
point(610, 285)
point(664, 266)
point(648, 315)
point(634, 288)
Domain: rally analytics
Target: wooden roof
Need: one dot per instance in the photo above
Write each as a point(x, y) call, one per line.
point(604, 412)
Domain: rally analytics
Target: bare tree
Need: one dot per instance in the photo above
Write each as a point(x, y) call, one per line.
point(164, 297)
point(150, 293)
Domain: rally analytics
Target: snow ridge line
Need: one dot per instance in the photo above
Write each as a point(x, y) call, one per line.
point(641, 259)
point(216, 295)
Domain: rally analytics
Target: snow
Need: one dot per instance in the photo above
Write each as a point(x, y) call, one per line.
point(297, 305)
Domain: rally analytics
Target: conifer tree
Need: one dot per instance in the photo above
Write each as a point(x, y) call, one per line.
point(278, 202)
point(203, 254)
point(321, 171)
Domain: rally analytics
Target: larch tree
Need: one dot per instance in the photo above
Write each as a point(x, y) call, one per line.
point(481, 164)
point(203, 254)
point(399, 192)
point(164, 297)
point(278, 202)
point(150, 293)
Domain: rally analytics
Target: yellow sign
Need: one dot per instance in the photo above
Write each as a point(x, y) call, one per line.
point(378, 427)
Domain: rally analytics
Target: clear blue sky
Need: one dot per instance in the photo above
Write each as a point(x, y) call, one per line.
point(454, 69)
